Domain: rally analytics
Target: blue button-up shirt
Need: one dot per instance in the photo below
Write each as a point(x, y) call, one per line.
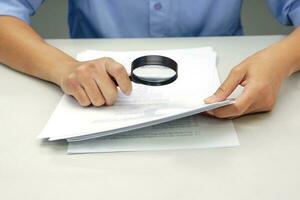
point(154, 18)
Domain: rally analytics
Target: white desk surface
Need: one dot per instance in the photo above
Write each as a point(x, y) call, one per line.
point(265, 166)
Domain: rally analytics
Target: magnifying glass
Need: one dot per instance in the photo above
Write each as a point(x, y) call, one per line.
point(153, 70)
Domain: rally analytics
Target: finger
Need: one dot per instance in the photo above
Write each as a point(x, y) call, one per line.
point(119, 73)
point(258, 108)
point(73, 88)
point(81, 97)
point(241, 105)
point(252, 108)
point(224, 112)
point(107, 87)
point(93, 92)
point(234, 78)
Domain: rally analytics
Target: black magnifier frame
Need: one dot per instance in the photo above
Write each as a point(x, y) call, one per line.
point(154, 60)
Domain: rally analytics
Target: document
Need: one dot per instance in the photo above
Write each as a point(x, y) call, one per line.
point(147, 105)
point(188, 133)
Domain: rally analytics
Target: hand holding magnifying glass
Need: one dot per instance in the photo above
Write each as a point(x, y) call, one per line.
point(91, 82)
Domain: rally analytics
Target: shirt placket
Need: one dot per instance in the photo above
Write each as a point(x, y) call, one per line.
point(158, 14)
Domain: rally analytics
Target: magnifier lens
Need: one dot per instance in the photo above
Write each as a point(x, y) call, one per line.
point(154, 73)
point(153, 70)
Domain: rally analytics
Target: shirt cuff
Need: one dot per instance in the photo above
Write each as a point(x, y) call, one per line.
point(19, 13)
point(295, 17)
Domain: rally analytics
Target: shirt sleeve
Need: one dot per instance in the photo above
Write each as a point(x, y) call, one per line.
point(286, 11)
point(21, 9)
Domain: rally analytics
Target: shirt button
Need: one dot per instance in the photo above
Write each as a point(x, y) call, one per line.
point(157, 6)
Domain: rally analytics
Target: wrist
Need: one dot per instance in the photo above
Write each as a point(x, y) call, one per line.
point(286, 56)
point(290, 49)
point(60, 72)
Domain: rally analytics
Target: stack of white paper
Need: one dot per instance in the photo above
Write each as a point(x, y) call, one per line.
point(188, 133)
point(148, 105)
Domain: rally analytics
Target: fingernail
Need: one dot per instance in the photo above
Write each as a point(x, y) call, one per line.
point(210, 112)
point(210, 99)
point(128, 92)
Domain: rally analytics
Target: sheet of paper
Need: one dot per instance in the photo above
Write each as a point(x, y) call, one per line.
point(147, 105)
point(187, 133)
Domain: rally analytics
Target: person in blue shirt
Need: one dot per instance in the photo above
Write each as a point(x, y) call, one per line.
point(90, 82)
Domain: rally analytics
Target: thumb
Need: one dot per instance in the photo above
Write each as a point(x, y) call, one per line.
point(234, 78)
